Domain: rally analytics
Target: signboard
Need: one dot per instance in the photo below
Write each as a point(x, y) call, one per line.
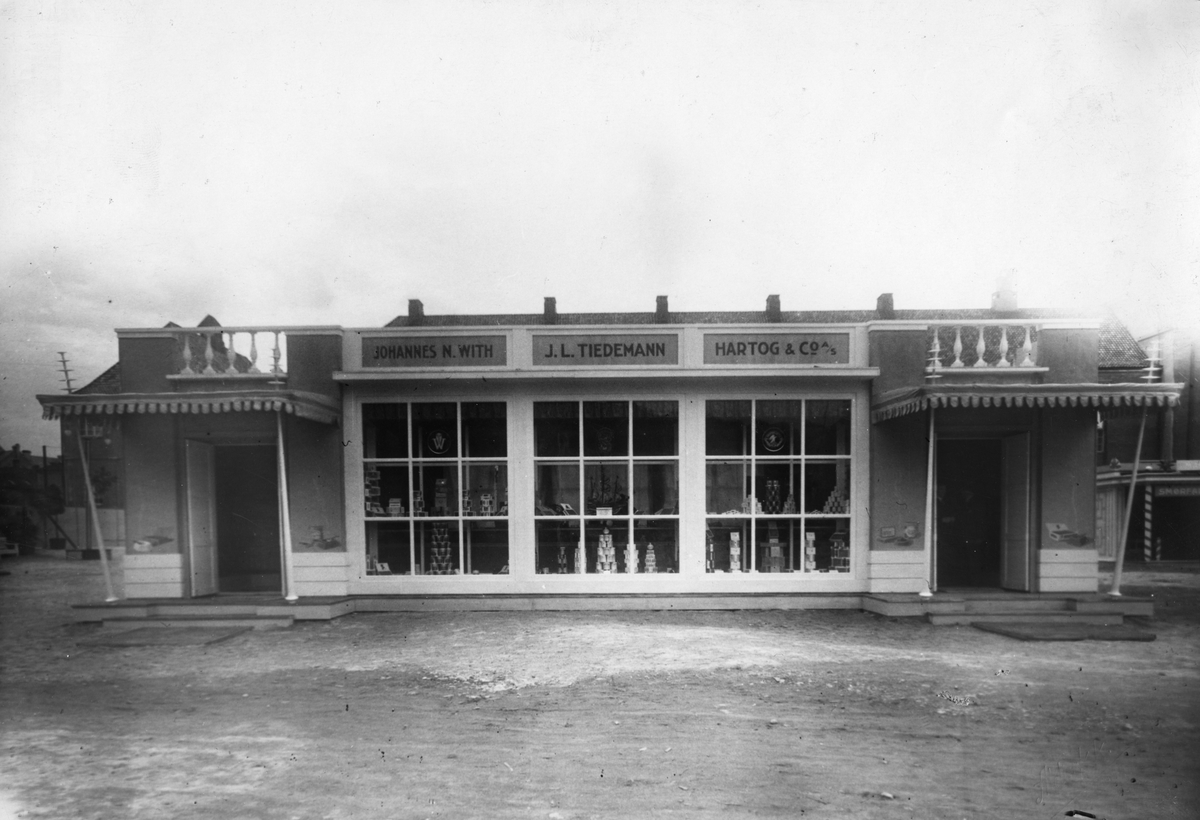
point(776, 348)
point(434, 351)
point(1176, 490)
point(600, 350)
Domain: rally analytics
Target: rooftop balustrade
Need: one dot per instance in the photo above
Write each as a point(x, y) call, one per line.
point(994, 346)
point(217, 353)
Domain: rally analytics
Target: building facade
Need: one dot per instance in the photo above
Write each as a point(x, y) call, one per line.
point(717, 454)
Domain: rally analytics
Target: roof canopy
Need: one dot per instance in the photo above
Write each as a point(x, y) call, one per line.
point(1106, 397)
point(298, 403)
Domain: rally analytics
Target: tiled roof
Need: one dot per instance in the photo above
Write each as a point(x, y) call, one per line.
point(718, 317)
point(107, 382)
point(1118, 349)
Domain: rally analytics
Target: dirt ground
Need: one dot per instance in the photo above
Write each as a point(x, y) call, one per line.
point(574, 715)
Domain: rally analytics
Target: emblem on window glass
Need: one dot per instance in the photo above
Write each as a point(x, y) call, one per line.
point(773, 439)
point(437, 442)
point(604, 438)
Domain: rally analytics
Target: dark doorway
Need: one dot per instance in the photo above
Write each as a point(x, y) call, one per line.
point(968, 513)
point(247, 494)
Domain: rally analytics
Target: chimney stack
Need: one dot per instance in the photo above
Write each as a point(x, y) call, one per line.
point(1004, 300)
point(774, 314)
point(661, 313)
point(416, 312)
point(549, 310)
point(884, 307)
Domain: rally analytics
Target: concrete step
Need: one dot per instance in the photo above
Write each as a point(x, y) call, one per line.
point(255, 622)
point(1012, 605)
point(1022, 618)
point(213, 610)
point(1143, 607)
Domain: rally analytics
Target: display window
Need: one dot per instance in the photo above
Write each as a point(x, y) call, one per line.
point(777, 485)
point(606, 486)
point(435, 488)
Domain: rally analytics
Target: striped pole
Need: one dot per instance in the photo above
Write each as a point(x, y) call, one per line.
point(1148, 525)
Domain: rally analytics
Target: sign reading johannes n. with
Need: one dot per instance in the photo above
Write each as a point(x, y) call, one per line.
point(434, 351)
point(776, 348)
point(594, 350)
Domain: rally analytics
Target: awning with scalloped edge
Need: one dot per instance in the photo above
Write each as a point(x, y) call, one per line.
point(1105, 397)
point(312, 406)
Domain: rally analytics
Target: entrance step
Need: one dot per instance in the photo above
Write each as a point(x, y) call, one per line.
point(949, 619)
point(1014, 605)
point(193, 620)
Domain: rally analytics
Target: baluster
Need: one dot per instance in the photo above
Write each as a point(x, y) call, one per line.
point(253, 353)
point(981, 348)
point(935, 358)
point(1027, 349)
point(208, 355)
point(187, 356)
point(275, 355)
point(1003, 362)
point(958, 362)
point(231, 354)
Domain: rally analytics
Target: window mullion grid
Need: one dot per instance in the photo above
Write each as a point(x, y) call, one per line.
point(461, 456)
point(801, 506)
point(752, 453)
point(412, 513)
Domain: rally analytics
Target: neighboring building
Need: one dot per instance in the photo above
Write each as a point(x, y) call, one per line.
point(30, 499)
point(721, 454)
point(1165, 520)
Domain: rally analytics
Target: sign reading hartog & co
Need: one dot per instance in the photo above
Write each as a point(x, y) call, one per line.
point(605, 349)
point(777, 348)
point(434, 351)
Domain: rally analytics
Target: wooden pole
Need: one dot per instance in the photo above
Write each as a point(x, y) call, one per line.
point(87, 482)
point(1137, 458)
point(929, 495)
point(285, 514)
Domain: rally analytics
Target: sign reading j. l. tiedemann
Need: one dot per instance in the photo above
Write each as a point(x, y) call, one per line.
point(434, 351)
point(608, 349)
point(776, 348)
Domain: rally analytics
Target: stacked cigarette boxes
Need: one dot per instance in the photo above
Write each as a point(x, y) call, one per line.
point(441, 559)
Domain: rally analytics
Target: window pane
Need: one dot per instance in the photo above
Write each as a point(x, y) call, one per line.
point(828, 550)
point(556, 429)
point(605, 428)
point(486, 492)
point(727, 428)
point(385, 431)
point(827, 486)
point(437, 548)
point(436, 491)
point(386, 489)
point(485, 430)
point(657, 546)
point(780, 546)
point(387, 545)
point(827, 428)
point(606, 484)
point(655, 488)
point(486, 547)
point(655, 428)
point(606, 543)
point(776, 484)
point(727, 484)
point(726, 541)
point(557, 543)
point(435, 430)
point(778, 428)
point(556, 489)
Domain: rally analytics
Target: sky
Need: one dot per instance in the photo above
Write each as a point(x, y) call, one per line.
point(307, 162)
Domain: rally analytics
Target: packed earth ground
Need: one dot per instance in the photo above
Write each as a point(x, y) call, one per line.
point(834, 714)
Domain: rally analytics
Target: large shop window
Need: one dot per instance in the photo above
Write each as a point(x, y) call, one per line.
point(778, 486)
point(435, 485)
point(606, 486)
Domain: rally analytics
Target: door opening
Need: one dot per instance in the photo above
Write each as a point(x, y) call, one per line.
point(969, 488)
point(247, 515)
